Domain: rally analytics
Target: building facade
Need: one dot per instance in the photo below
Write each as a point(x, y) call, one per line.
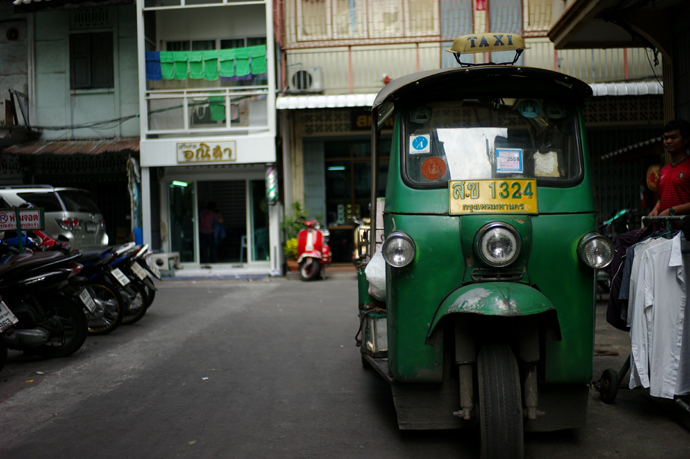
point(336, 55)
point(70, 76)
point(208, 130)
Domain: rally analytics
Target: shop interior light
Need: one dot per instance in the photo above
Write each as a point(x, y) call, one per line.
point(336, 168)
point(178, 183)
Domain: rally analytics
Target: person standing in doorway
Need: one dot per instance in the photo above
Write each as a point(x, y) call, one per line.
point(207, 238)
point(674, 182)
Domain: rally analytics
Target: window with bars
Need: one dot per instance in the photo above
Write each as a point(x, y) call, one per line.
point(91, 60)
point(344, 19)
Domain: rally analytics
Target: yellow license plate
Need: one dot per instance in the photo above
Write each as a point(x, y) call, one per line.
point(511, 196)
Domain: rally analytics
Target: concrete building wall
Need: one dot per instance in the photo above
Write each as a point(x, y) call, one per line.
point(13, 54)
point(57, 105)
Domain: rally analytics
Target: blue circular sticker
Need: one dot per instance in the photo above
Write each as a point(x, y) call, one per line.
point(529, 108)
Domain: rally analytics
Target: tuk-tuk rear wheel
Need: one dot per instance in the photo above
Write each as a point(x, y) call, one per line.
point(500, 403)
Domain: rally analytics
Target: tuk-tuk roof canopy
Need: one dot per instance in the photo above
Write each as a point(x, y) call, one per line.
point(433, 78)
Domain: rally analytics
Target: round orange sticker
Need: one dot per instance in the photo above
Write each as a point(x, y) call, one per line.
point(433, 168)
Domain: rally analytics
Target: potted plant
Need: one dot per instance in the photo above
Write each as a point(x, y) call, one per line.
point(296, 214)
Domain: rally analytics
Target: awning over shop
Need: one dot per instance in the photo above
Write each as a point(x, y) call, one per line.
point(366, 100)
point(75, 147)
point(653, 146)
point(337, 101)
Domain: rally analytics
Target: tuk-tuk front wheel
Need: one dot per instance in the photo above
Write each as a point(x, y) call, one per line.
point(500, 403)
point(309, 269)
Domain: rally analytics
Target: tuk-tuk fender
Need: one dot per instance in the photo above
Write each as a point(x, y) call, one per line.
point(504, 299)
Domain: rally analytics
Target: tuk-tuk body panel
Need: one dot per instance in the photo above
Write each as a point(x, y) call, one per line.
point(414, 292)
point(570, 285)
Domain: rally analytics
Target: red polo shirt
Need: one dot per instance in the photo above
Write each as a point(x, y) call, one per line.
point(674, 184)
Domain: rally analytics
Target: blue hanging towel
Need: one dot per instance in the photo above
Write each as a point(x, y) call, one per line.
point(153, 66)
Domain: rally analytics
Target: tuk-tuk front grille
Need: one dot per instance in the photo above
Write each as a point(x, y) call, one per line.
point(482, 274)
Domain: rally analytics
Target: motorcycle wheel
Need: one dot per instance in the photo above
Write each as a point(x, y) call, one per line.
point(150, 295)
point(114, 309)
point(309, 269)
point(74, 328)
point(137, 308)
point(500, 403)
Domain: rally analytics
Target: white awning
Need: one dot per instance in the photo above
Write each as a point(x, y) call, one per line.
point(366, 100)
point(318, 101)
point(627, 88)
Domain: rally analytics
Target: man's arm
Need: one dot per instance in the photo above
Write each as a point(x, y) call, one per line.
point(655, 210)
point(682, 209)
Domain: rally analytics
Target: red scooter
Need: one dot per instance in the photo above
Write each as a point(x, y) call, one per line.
point(313, 252)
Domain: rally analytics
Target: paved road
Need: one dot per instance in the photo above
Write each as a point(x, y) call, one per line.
point(267, 369)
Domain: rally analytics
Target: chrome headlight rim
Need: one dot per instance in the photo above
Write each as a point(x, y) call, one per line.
point(590, 238)
point(398, 235)
point(484, 230)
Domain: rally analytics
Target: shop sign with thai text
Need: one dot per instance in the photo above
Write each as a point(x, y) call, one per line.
point(30, 219)
point(206, 152)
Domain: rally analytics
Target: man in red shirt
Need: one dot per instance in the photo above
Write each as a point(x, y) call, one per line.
point(674, 182)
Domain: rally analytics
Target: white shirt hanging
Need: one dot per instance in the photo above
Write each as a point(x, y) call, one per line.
point(657, 328)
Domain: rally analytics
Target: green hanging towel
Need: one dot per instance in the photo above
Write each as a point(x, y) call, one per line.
point(258, 55)
point(181, 70)
point(242, 62)
point(196, 65)
point(217, 108)
point(227, 62)
point(211, 65)
point(167, 65)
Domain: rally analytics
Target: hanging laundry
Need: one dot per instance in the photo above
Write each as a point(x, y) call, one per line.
point(226, 57)
point(181, 64)
point(167, 65)
point(258, 59)
point(242, 62)
point(211, 65)
point(217, 108)
point(153, 66)
point(658, 316)
point(196, 65)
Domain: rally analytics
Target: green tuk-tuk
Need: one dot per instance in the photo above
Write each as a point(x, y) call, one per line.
point(486, 236)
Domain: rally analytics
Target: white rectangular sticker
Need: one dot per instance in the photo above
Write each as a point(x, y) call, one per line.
point(121, 278)
point(85, 298)
point(420, 144)
point(7, 319)
point(139, 271)
point(509, 160)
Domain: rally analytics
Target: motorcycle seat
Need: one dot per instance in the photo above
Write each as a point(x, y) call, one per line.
point(89, 256)
point(29, 260)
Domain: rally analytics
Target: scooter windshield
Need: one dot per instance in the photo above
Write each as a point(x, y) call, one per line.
point(476, 139)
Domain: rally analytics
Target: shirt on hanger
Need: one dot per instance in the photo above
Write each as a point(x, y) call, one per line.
point(656, 334)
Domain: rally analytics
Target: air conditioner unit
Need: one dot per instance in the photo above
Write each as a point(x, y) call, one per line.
point(305, 79)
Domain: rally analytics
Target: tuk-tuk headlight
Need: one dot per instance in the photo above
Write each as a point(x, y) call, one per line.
point(498, 244)
point(399, 249)
point(595, 250)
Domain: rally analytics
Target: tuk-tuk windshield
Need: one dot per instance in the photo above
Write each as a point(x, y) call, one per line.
point(476, 139)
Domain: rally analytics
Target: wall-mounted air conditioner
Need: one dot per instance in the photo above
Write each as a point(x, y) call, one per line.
point(304, 79)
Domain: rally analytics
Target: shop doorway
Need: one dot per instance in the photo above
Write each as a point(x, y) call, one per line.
point(227, 240)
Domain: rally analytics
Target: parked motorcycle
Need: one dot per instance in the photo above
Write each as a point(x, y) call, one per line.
point(48, 324)
point(313, 252)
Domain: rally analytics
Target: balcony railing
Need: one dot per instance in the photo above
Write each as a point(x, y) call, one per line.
point(357, 69)
point(236, 110)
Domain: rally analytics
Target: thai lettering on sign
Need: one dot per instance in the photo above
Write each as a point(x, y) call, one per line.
point(202, 152)
point(31, 219)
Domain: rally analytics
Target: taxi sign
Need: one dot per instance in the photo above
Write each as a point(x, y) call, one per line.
point(496, 196)
point(487, 43)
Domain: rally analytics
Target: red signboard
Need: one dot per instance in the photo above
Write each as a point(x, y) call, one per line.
point(480, 5)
